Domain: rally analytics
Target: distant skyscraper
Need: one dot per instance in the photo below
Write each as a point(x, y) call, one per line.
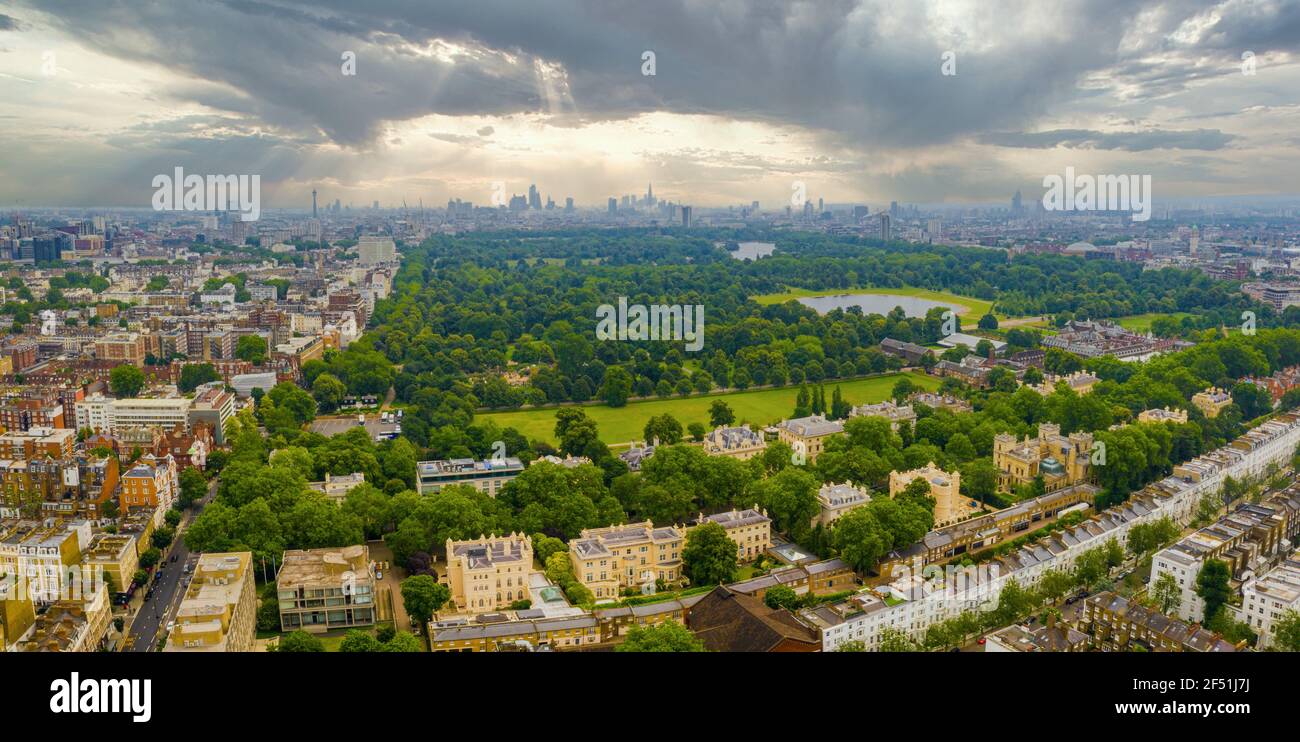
point(1015, 203)
point(649, 195)
point(885, 220)
point(860, 213)
point(613, 205)
point(893, 209)
point(821, 205)
point(313, 203)
point(686, 216)
point(534, 198)
point(568, 204)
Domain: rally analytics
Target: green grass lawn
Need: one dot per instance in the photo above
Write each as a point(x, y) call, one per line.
point(1142, 322)
point(963, 305)
point(761, 407)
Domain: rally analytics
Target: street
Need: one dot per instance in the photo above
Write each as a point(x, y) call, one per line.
point(168, 586)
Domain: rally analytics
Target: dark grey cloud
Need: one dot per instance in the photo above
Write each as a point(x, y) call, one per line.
point(1129, 141)
point(8, 23)
point(833, 65)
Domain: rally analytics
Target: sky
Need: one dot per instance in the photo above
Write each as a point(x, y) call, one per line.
point(861, 101)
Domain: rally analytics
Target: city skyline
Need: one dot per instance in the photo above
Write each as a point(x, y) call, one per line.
point(745, 101)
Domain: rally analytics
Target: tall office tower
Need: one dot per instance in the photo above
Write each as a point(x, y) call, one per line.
point(613, 205)
point(568, 203)
point(885, 226)
point(534, 198)
point(1015, 203)
point(821, 205)
point(807, 209)
point(860, 213)
point(754, 206)
point(935, 227)
point(686, 216)
point(649, 195)
point(893, 209)
point(376, 206)
point(313, 203)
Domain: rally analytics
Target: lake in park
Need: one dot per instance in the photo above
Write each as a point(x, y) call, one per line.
point(871, 303)
point(753, 250)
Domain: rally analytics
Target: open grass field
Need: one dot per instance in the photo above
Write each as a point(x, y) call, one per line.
point(1142, 322)
point(621, 425)
point(963, 305)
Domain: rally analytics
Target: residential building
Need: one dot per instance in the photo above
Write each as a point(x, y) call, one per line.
point(735, 442)
point(837, 499)
point(326, 589)
point(825, 577)
point(489, 573)
point(807, 435)
point(637, 555)
point(1048, 637)
point(1248, 539)
point(152, 482)
point(1115, 623)
point(750, 529)
point(1060, 460)
point(896, 414)
point(1212, 401)
point(219, 610)
point(1165, 415)
point(113, 555)
point(1269, 597)
point(212, 406)
point(17, 614)
point(487, 476)
point(336, 488)
point(940, 402)
point(945, 488)
point(72, 625)
point(121, 347)
point(47, 557)
point(37, 443)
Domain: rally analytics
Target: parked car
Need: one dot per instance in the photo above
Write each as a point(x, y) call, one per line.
point(174, 557)
point(981, 641)
point(171, 626)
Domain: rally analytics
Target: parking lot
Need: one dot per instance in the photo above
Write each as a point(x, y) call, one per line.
point(339, 424)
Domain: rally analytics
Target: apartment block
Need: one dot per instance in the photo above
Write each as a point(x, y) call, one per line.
point(1267, 598)
point(219, 610)
point(326, 589)
point(72, 625)
point(152, 482)
point(487, 476)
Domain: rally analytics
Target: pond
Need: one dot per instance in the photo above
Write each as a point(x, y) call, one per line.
point(753, 250)
point(872, 303)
